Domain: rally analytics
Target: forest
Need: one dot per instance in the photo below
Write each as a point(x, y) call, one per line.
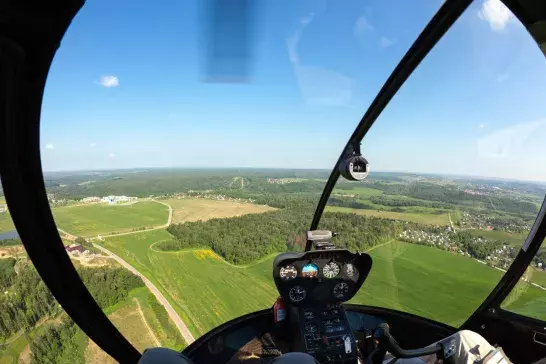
point(243, 239)
point(451, 195)
point(29, 300)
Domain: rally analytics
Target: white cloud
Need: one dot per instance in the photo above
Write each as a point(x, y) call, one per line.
point(482, 126)
point(385, 42)
point(49, 146)
point(109, 81)
point(495, 13)
point(112, 155)
point(92, 144)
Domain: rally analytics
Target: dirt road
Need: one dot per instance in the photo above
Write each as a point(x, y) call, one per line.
point(184, 331)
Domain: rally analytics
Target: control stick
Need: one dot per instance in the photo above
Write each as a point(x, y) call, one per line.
point(387, 343)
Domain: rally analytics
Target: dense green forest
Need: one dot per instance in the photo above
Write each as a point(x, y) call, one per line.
point(28, 299)
point(57, 345)
point(243, 239)
point(7, 273)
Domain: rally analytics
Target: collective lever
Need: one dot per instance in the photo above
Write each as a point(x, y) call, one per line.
point(387, 343)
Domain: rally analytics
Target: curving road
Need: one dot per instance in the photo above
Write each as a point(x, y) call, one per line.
point(186, 334)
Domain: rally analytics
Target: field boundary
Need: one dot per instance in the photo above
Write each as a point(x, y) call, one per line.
point(152, 334)
point(184, 331)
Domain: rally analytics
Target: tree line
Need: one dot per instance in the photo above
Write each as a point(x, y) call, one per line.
point(28, 299)
point(243, 239)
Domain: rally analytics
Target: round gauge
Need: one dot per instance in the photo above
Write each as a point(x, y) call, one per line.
point(297, 294)
point(349, 269)
point(340, 290)
point(309, 270)
point(311, 327)
point(330, 270)
point(288, 272)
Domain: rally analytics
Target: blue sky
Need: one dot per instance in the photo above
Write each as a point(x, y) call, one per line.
point(128, 89)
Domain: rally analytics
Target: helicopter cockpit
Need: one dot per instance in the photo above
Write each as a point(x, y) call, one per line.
point(308, 263)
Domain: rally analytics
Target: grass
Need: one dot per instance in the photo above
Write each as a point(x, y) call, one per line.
point(421, 218)
point(6, 224)
point(127, 318)
point(104, 219)
point(206, 291)
point(203, 209)
point(10, 354)
point(513, 239)
point(363, 192)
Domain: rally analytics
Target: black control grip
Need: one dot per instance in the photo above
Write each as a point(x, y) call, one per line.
point(383, 335)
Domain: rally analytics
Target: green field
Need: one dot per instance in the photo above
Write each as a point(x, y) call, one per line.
point(6, 224)
point(104, 219)
point(200, 209)
point(207, 291)
point(363, 192)
point(421, 218)
point(515, 240)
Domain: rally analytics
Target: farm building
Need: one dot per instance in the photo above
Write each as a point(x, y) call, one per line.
point(117, 199)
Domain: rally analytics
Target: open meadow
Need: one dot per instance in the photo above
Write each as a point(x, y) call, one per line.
point(421, 218)
point(206, 291)
point(6, 224)
point(513, 239)
point(90, 220)
point(188, 209)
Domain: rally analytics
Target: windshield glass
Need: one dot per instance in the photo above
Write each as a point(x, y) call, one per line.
point(454, 186)
point(181, 155)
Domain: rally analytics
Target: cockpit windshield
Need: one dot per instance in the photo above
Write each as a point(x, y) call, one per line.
point(181, 154)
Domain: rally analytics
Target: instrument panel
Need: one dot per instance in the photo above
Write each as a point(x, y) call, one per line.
point(324, 276)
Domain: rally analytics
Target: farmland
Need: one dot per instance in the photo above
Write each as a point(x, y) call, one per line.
point(103, 219)
point(143, 326)
point(421, 218)
point(6, 224)
point(203, 209)
point(204, 289)
point(513, 239)
point(207, 291)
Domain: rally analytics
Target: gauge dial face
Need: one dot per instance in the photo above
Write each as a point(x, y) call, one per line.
point(349, 269)
point(309, 270)
point(330, 270)
point(297, 294)
point(310, 327)
point(288, 272)
point(340, 290)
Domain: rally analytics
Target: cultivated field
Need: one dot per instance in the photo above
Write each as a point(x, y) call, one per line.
point(363, 192)
point(207, 291)
point(6, 224)
point(89, 220)
point(513, 239)
point(141, 324)
point(203, 209)
point(421, 218)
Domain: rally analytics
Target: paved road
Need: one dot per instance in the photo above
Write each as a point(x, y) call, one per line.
point(186, 334)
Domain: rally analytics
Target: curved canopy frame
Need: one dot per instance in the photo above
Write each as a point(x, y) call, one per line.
point(30, 33)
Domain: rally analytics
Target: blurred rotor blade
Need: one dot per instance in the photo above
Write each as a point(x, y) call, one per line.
point(229, 37)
